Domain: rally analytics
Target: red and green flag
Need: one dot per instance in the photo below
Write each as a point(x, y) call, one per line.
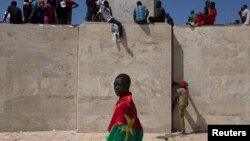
point(125, 125)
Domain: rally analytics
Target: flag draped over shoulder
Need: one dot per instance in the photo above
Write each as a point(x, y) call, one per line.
point(125, 125)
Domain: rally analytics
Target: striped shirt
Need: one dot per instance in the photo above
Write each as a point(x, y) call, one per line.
point(140, 13)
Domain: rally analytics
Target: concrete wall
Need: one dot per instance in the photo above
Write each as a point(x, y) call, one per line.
point(43, 68)
point(62, 77)
point(144, 54)
point(123, 9)
point(38, 77)
point(216, 63)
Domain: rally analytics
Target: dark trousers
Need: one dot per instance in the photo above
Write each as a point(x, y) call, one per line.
point(141, 22)
point(62, 20)
point(89, 13)
point(155, 19)
point(114, 21)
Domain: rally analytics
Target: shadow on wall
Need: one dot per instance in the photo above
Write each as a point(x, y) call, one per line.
point(199, 124)
point(177, 60)
point(124, 43)
point(145, 28)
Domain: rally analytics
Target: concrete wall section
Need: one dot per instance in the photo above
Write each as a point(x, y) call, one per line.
point(144, 54)
point(123, 9)
point(38, 77)
point(215, 61)
point(44, 67)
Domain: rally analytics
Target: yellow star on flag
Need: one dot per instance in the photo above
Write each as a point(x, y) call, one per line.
point(128, 128)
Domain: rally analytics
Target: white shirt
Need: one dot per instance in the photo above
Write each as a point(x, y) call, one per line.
point(99, 2)
point(7, 18)
point(105, 13)
point(246, 14)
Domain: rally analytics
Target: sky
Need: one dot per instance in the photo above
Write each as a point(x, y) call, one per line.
point(179, 10)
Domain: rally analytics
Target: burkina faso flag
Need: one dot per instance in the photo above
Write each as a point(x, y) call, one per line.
point(125, 125)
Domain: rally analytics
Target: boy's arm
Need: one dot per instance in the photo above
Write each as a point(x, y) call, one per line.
point(34, 7)
point(180, 91)
point(147, 12)
point(74, 5)
point(242, 18)
point(134, 14)
point(111, 13)
point(5, 16)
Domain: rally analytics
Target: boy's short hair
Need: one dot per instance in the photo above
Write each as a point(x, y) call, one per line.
point(139, 3)
point(13, 3)
point(212, 3)
point(158, 2)
point(106, 2)
point(125, 77)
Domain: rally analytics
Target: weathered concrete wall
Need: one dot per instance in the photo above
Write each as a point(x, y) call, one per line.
point(215, 61)
point(144, 54)
point(44, 67)
point(123, 9)
point(38, 77)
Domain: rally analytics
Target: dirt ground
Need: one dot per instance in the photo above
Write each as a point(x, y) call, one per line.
point(73, 136)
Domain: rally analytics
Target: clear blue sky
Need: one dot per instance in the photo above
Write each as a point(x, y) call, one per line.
point(178, 9)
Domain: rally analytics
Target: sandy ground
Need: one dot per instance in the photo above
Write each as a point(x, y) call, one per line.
point(73, 136)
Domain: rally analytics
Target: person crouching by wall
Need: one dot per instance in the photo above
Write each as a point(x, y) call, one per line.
point(181, 91)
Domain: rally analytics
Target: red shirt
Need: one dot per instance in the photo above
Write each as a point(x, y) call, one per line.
point(49, 13)
point(125, 106)
point(212, 13)
point(69, 3)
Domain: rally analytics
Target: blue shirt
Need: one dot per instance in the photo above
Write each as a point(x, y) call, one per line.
point(34, 5)
point(140, 13)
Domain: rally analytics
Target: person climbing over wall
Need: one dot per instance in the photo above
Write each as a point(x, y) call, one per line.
point(107, 15)
point(181, 93)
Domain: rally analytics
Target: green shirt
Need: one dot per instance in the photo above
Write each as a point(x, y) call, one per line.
point(191, 18)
